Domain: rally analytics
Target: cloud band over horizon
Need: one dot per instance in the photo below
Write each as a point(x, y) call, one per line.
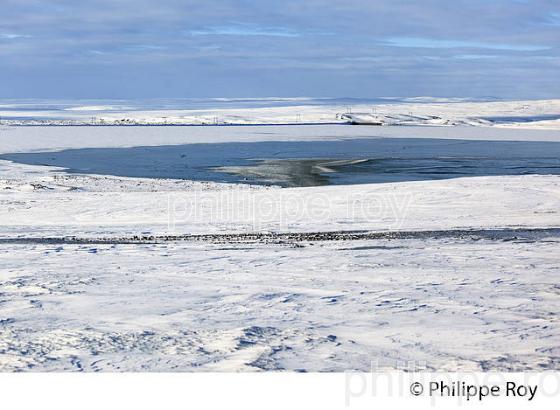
point(243, 48)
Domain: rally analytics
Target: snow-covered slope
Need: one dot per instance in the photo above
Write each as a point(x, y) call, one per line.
point(424, 111)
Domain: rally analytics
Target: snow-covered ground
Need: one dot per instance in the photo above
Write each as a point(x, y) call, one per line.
point(396, 111)
point(451, 302)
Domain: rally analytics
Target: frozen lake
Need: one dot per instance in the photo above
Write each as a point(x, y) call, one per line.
point(458, 273)
point(311, 163)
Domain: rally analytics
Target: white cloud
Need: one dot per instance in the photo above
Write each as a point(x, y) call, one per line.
point(245, 30)
point(418, 42)
point(12, 36)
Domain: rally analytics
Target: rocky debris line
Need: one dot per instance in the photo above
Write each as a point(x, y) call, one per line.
point(503, 234)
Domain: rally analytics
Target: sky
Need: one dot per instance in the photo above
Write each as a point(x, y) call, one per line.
point(141, 49)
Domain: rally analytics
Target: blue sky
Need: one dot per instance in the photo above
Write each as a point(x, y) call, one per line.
point(245, 48)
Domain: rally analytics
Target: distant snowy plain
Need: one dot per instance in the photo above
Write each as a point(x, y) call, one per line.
point(448, 303)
